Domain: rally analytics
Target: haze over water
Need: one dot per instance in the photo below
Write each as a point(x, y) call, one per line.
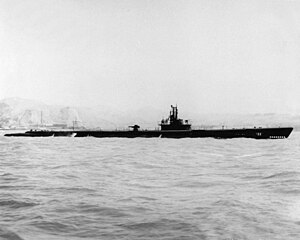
point(89, 188)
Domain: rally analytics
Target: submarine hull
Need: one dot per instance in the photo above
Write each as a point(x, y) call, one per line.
point(256, 133)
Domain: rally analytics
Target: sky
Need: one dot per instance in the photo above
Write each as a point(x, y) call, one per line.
point(206, 56)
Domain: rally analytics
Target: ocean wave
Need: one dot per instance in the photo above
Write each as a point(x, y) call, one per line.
point(54, 227)
point(101, 211)
point(285, 174)
point(6, 234)
point(74, 189)
point(165, 228)
point(197, 184)
point(17, 204)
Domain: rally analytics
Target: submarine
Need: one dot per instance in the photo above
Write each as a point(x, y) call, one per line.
point(171, 127)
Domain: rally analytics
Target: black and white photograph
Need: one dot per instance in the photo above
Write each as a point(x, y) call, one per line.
point(149, 119)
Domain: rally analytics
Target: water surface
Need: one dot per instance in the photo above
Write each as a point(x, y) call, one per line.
point(91, 188)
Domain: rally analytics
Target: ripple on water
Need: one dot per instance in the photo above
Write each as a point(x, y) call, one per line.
point(8, 234)
point(101, 211)
point(165, 228)
point(54, 227)
point(14, 204)
point(284, 175)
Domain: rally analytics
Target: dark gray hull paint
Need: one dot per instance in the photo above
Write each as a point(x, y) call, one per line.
point(257, 133)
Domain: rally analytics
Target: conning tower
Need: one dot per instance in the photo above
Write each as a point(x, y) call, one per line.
point(173, 122)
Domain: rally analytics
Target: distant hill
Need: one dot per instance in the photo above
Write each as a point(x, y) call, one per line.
point(25, 113)
point(17, 112)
